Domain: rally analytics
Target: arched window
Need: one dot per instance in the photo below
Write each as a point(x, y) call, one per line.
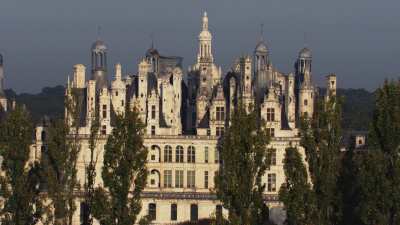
point(191, 154)
point(179, 154)
point(167, 153)
point(43, 136)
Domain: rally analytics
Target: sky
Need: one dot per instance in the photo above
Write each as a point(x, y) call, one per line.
point(358, 40)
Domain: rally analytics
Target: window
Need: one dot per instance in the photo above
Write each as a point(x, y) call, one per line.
point(272, 156)
point(152, 211)
point(153, 130)
point(153, 157)
point(220, 131)
point(220, 114)
point(104, 111)
point(191, 155)
point(167, 153)
point(194, 212)
point(205, 179)
point(191, 179)
point(206, 154)
point(168, 178)
point(84, 213)
point(271, 132)
point(216, 155)
point(153, 111)
point(271, 182)
point(270, 114)
point(174, 212)
point(122, 102)
point(179, 178)
point(305, 102)
point(104, 130)
point(179, 154)
point(43, 136)
point(208, 132)
point(218, 212)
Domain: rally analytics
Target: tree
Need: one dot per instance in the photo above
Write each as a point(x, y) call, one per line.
point(379, 175)
point(89, 188)
point(59, 161)
point(19, 177)
point(244, 161)
point(321, 138)
point(296, 194)
point(124, 173)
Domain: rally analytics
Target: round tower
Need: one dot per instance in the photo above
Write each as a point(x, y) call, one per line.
point(99, 64)
point(303, 66)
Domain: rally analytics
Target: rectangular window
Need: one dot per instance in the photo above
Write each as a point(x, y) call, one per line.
point(168, 178)
point(220, 114)
point(271, 132)
point(216, 155)
point(122, 102)
point(194, 212)
point(191, 179)
point(270, 114)
point(174, 212)
point(153, 211)
point(220, 131)
point(206, 154)
point(205, 179)
point(272, 156)
point(271, 182)
point(153, 111)
point(104, 111)
point(179, 154)
point(179, 178)
point(153, 130)
point(104, 130)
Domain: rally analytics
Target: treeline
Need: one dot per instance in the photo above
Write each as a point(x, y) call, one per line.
point(353, 187)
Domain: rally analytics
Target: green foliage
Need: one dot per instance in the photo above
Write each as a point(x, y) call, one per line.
point(59, 162)
point(296, 194)
point(379, 173)
point(50, 102)
point(244, 161)
point(321, 139)
point(20, 179)
point(124, 173)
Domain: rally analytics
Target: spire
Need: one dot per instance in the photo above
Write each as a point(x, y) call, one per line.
point(261, 33)
point(205, 21)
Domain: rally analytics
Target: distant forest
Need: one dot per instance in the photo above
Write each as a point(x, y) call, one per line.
point(357, 106)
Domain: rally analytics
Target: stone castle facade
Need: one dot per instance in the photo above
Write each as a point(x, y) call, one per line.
point(186, 112)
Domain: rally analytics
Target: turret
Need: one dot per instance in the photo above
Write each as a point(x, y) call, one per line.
point(303, 67)
point(3, 99)
point(79, 76)
point(99, 64)
point(330, 85)
point(290, 101)
point(205, 38)
point(118, 91)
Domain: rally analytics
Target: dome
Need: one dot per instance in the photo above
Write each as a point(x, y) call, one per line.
point(261, 47)
point(99, 46)
point(305, 53)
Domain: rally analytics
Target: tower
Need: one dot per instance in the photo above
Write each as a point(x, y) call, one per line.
point(303, 67)
point(205, 38)
point(99, 64)
point(3, 99)
point(261, 55)
point(330, 86)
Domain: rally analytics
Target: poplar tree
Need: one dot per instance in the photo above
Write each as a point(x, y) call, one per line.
point(296, 194)
point(379, 175)
point(124, 173)
point(244, 161)
point(321, 138)
point(19, 177)
point(59, 161)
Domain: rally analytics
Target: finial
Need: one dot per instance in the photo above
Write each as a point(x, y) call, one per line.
point(261, 32)
point(98, 32)
point(152, 40)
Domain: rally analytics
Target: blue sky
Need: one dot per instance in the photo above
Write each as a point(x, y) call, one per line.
point(358, 40)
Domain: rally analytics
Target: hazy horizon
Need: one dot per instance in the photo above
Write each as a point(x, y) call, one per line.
point(41, 40)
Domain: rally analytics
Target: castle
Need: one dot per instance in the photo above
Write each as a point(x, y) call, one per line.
point(185, 113)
